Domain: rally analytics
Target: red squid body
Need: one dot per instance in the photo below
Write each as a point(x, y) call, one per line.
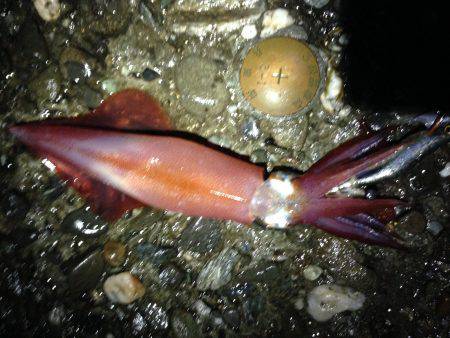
point(117, 165)
point(119, 169)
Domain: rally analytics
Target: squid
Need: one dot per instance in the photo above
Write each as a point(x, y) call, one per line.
point(125, 154)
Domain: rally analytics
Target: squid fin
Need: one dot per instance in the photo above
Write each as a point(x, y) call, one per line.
point(104, 200)
point(129, 109)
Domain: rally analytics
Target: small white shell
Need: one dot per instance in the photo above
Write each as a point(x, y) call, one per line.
point(324, 301)
point(249, 32)
point(446, 171)
point(48, 10)
point(331, 98)
point(275, 20)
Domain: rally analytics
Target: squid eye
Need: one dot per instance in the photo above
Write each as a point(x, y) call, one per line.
point(447, 129)
point(276, 201)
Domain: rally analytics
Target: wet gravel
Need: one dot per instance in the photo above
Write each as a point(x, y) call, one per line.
point(201, 277)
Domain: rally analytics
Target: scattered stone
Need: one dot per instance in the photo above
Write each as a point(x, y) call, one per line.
point(84, 272)
point(201, 308)
point(331, 98)
point(274, 20)
point(152, 318)
point(184, 326)
point(239, 292)
point(251, 129)
point(232, 318)
point(114, 253)
point(413, 222)
point(196, 18)
point(201, 235)
point(56, 315)
point(171, 276)
point(48, 10)
point(434, 227)
point(140, 48)
point(157, 255)
point(110, 17)
point(14, 206)
point(91, 98)
point(249, 32)
point(76, 65)
point(149, 74)
point(443, 304)
point(123, 288)
point(446, 171)
point(312, 272)
point(202, 92)
point(299, 303)
point(83, 222)
point(218, 271)
point(325, 301)
point(46, 86)
point(317, 3)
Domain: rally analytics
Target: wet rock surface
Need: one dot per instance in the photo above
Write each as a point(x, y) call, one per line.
point(201, 277)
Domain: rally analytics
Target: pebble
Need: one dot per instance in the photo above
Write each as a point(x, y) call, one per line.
point(232, 318)
point(83, 222)
point(317, 3)
point(443, 304)
point(249, 32)
point(151, 318)
point(274, 20)
point(114, 253)
point(85, 272)
point(325, 301)
point(123, 288)
point(201, 308)
point(299, 303)
point(76, 65)
point(312, 272)
point(446, 171)
point(149, 74)
point(201, 235)
point(413, 222)
point(46, 86)
point(56, 315)
point(14, 206)
point(200, 18)
point(202, 92)
point(48, 10)
point(434, 227)
point(157, 255)
point(184, 326)
point(171, 276)
point(218, 271)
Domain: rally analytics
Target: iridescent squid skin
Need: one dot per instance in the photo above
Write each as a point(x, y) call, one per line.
point(125, 155)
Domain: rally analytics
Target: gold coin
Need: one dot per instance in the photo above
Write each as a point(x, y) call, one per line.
point(279, 76)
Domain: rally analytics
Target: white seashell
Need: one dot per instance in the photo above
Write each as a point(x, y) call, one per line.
point(275, 20)
point(331, 98)
point(249, 32)
point(325, 301)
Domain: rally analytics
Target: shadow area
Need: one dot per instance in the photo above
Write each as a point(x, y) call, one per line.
point(396, 58)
